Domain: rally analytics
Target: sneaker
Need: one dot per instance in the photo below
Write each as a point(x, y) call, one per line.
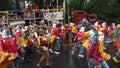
point(72, 52)
point(48, 65)
point(117, 60)
point(39, 66)
point(57, 52)
point(81, 56)
point(51, 51)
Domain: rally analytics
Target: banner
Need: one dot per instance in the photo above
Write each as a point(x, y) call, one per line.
point(53, 15)
point(17, 22)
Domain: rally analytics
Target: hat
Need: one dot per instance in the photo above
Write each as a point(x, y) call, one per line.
point(96, 24)
point(54, 25)
point(113, 24)
point(71, 24)
point(82, 29)
point(118, 26)
point(66, 25)
point(26, 27)
point(103, 24)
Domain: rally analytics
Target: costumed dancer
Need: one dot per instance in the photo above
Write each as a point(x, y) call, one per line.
point(73, 31)
point(6, 58)
point(66, 34)
point(117, 43)
point(5, 32)
point(18, 35)
point(56, 41)
point(101, 46)
point(95, 59)
point(96, 25)
point(104, 29)
point(43, 42)
point(26, 43)
point(79, 36)
point(112, 30)
point(60, 28)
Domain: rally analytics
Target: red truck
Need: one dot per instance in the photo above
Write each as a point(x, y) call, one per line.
point(79, 15)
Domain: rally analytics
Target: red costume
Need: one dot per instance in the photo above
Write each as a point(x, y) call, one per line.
point(55, 31)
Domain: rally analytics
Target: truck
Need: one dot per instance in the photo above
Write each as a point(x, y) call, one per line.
point(79, 15)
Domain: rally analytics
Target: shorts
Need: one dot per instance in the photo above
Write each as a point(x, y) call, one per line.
point(44, 48)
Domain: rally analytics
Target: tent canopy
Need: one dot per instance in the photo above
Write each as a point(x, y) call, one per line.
point(15, 11)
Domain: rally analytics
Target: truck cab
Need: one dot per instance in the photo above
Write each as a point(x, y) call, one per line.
point(79, 15)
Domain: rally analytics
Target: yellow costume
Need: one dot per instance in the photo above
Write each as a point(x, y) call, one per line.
point(74, 29)
point(85, 39)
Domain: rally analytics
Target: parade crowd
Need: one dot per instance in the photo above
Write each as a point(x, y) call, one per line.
point(16, 42)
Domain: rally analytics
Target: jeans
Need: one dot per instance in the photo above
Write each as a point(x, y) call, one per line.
point(57, 46)
point(104, 64)
point(118, 54)
point(93, 63)
point(96, 63)
point(81, 48)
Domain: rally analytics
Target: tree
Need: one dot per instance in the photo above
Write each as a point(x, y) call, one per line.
point(6, 5)
point(41, 3)
point(105, 9)
point(17, 4)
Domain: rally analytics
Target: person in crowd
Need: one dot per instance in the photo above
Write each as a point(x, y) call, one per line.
point(96, 25)
point(116, 40)
point(6, 58)
point(5, 32)
point(56, 44)
point(27, 45)
point(66, 32)
point(79, 36)
point(112, 30)
point(43, 41)
point(93, 52)
point(73, 31)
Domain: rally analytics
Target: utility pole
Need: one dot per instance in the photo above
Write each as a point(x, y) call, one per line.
point(68, 2)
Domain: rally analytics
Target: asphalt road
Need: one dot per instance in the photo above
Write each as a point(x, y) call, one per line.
point(66, 60)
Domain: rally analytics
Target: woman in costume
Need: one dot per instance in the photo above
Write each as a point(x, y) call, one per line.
point(79, 36)
point(56, 41)
point(95, 59)
point(43, 41)
point(6, 59)
point(117, 44)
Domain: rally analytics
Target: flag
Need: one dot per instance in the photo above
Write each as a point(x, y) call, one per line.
point(29, 9)
point(37, 6)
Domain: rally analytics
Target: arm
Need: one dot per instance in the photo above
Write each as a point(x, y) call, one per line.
point(86, 23)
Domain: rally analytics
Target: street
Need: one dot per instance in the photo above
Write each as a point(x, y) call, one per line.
point(66, 60)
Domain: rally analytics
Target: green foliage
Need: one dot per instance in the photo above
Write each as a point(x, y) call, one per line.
point(105, 9)
point(6, 5)
point(75, 4)
point(108, 10)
